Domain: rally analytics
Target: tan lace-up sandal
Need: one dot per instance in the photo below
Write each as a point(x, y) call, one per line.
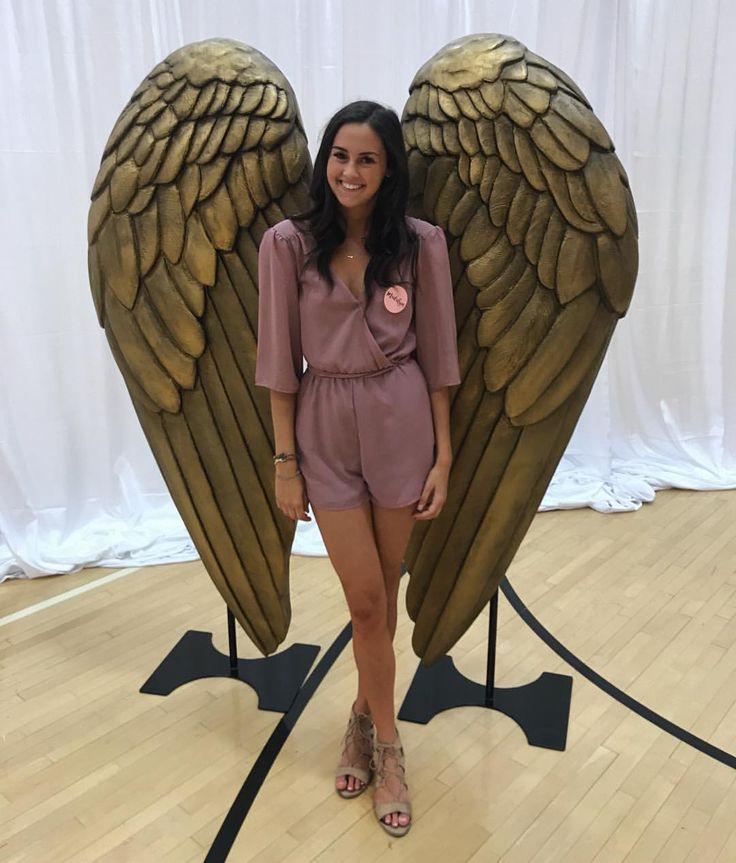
point(395, 752)
point(356, 744)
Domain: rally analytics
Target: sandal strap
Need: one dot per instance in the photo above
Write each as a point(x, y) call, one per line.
point(384, 809)
point(360, 730)
point(381, 752)
point(357, 742)
point(354, 771)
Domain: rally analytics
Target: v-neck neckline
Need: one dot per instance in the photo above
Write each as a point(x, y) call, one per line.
point(359, 298)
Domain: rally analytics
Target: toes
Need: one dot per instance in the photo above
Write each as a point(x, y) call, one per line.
point(397, 819)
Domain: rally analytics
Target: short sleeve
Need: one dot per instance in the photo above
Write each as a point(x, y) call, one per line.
point(434, 315)
point(279, 358)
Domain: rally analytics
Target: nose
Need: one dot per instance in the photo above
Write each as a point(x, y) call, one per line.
point(350, 169)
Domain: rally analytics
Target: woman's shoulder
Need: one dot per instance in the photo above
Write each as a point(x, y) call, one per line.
point(287, 229)
point(291, 232)
point(423, 230)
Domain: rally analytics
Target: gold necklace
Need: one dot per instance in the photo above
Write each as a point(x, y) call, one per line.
point(352, 257)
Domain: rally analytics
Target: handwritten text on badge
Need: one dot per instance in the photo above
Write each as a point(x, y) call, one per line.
point(395, 299)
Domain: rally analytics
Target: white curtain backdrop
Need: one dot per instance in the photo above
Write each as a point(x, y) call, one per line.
point(78, 485)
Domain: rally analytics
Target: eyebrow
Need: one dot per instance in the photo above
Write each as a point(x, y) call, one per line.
point(364, 153)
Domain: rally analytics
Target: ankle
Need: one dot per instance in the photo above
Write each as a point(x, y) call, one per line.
point(385, 736)
point(361, 706)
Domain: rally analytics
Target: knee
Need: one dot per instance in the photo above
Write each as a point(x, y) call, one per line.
point(368, 610)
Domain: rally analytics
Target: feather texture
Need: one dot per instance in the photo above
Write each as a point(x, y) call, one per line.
point(546, 231)
point(185, 190)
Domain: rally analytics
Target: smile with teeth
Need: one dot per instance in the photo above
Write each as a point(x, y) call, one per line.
point(351, 187)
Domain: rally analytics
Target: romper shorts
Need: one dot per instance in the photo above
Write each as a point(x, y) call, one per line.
point(365, 436)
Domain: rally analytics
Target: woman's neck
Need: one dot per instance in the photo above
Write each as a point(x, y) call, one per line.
point(356, 224)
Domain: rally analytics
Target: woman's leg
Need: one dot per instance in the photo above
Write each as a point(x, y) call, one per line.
point(392, 528)
point(350, 541)
point(366, 546)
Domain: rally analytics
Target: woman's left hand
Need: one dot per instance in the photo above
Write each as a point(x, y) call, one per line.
point(434, 493)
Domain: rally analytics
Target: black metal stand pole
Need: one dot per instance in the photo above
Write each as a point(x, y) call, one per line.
point(491, 660)
point(541, 708)
point(232, 641)
point(276, 679)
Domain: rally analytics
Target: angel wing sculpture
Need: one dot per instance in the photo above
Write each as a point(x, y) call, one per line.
point(505, 154)
point(508, 157)
point(209, 152)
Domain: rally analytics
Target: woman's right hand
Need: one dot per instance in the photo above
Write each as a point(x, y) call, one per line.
point(291, 494)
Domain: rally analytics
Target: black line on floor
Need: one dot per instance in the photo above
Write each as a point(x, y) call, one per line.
point(230, 827)
point(636, 706)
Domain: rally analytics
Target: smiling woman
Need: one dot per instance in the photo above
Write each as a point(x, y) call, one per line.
point(356, 167)
point(364, 294)
point(355, 170)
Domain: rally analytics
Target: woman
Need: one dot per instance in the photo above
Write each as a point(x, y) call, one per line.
point(364, 294)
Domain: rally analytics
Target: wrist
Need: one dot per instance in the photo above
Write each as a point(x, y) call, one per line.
point(443, 460)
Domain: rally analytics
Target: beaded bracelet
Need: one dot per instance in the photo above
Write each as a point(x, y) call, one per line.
point(287, 478)
point(281, 457)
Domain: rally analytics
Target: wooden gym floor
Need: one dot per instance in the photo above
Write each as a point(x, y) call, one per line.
point(92, 770)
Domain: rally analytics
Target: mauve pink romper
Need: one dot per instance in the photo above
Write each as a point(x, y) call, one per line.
point(364, 426)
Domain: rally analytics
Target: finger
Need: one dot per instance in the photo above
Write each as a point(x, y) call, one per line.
point(424, 497)
point(432, 511)
point(435, 506)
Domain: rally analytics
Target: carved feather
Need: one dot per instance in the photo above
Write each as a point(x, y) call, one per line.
point(185, 190)
point(546, 234)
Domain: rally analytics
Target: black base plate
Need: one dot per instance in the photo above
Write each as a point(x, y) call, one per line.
point(276, 679)
point(541, 708)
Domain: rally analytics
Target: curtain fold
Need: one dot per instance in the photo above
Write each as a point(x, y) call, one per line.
point(78, 485)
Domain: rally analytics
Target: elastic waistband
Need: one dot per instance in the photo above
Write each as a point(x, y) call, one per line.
point(369, 373)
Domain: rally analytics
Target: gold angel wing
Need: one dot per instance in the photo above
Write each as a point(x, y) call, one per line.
point(209, 152)
point(507, 156)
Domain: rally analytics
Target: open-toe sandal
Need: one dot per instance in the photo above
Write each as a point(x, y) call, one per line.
point(392, 752)
point(357, 744)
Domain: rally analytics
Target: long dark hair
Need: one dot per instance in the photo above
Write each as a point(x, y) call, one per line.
point(390, 241)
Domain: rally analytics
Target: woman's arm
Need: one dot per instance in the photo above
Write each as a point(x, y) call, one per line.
point(291, 496)
point(434, 493)
point(440, 400)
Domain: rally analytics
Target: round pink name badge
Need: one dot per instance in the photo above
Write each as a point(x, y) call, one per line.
point(395, 299)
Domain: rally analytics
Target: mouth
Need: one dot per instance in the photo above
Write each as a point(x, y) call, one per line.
point(350, 187)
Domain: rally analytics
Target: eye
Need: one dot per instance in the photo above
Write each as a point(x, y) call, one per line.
point(339, 155)
point(368, 160)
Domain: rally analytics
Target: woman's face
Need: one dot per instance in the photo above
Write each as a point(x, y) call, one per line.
point(356, 166)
